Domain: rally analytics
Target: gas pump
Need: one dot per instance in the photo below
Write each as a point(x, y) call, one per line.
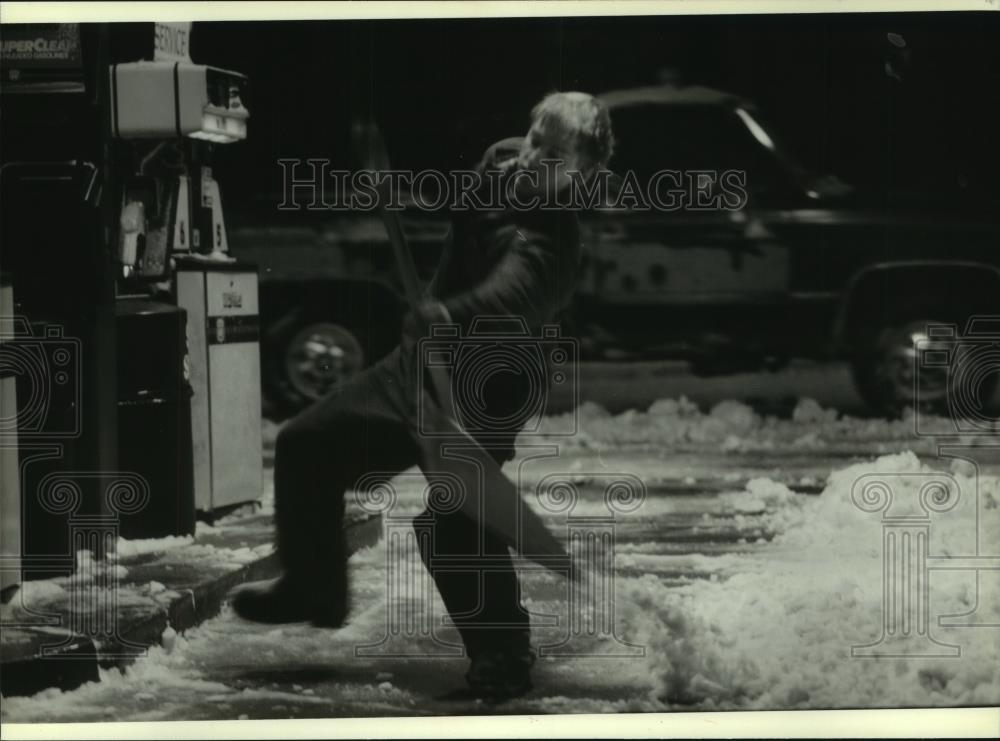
point(173, 228)
point(106, 186)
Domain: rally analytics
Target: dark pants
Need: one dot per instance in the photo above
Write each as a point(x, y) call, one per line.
point(365, 426)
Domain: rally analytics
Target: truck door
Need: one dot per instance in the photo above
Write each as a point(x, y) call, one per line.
point(702, 258)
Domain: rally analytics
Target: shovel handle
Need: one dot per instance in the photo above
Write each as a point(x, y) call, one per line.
point(404, 258)
point(371, 151)
point(415, 293)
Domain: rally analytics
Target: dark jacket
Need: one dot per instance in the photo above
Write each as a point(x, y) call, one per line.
point(508, 262)
point(512, 263)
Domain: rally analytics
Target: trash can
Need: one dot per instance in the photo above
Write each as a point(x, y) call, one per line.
point(154, 416)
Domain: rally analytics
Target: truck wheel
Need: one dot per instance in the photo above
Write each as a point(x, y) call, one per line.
point(316, 357)
point(891, 378)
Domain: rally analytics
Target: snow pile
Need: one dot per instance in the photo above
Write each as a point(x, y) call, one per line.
point(32, 597)
point(761, 495)
point(170, 682)
point(89, 570)
point(80, 594)
point(101, 584)
point(152, 688)
point(778, 632)
point(128, 549)
point(86, 587)
point(732, 425)
point(809, 411)
point(228, 559)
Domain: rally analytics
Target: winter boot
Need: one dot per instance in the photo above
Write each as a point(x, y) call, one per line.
point(501, 674)
point(280, 601)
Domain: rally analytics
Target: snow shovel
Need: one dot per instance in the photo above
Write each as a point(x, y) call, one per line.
point(451, 455)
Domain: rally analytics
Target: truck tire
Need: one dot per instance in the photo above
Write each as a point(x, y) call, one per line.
point(309, 360)
point(891, 378)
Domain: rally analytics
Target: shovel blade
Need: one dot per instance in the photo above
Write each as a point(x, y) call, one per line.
point(454, 460)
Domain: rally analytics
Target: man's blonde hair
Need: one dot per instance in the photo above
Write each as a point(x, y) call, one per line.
point(580, 115)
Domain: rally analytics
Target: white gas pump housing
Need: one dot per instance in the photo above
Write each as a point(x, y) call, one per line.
point(166, 99)
point(223, 345)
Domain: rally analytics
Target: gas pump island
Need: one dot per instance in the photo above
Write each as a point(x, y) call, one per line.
point(129, 353)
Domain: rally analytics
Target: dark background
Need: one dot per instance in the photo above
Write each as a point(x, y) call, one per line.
point(443, 90)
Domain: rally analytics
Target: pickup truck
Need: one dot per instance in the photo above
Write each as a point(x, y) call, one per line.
point(805, 267)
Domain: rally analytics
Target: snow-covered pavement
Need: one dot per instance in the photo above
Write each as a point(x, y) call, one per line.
point(753, 575)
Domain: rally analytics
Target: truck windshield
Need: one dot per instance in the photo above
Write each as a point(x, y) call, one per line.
point(815, 185)
point(692, 137)
point(767, 136)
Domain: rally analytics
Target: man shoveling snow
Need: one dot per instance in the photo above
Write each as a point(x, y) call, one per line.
point(511, 261)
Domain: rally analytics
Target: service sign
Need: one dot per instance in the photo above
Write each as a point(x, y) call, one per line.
point(40, 45)
point(172, 42)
